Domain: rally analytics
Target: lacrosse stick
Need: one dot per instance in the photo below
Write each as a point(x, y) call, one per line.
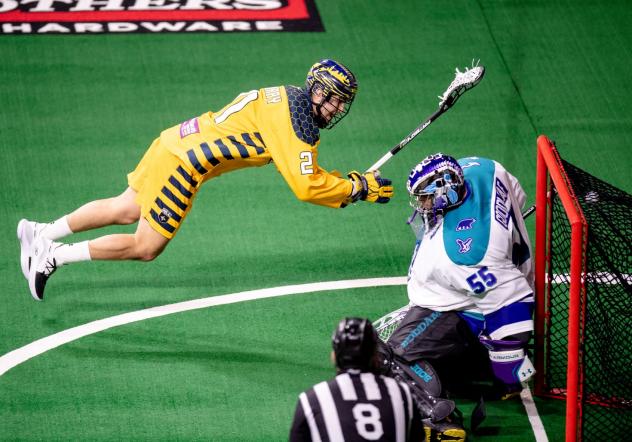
point(463, 81)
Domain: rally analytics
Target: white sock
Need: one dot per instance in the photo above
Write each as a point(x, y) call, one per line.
point(67, 253)
point(55, 230)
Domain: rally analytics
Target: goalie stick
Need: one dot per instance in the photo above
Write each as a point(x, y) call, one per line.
point(527, 213)
point(463, 81)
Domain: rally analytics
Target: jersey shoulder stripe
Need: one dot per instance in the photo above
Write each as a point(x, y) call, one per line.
point(466, 229)
point(399, 409)
point(309, 416)
point(303, 123)
point(328, 410)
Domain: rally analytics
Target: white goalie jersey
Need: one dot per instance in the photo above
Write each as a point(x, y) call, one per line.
point(478, 259)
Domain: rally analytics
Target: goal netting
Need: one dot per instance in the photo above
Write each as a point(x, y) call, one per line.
point(584, 295)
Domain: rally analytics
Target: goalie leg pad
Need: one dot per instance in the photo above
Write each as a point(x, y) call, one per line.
point(509, 361)
point(425, 386)
point(437, 413)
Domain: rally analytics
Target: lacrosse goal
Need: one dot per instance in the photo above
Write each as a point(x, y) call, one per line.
point(584, 298)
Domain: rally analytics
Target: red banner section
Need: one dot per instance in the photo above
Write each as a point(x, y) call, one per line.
point(102, 16)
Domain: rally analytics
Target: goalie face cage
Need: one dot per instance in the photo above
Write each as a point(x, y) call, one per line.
point(584, 298)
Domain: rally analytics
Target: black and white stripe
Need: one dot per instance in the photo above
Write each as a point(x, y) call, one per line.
point(356, 406)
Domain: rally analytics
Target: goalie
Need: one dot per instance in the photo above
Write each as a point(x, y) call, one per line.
point(470, 279)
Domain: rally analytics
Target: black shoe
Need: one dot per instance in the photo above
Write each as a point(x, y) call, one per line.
point(43, 265)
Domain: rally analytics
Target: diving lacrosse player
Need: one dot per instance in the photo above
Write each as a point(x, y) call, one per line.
point(358, 404)
point(279, 125)
point(470, 279)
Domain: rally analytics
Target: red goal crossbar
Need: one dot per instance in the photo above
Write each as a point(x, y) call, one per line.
point(550, 178)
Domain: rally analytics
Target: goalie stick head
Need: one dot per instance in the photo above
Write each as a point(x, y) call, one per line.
point(335, 87)
point(435, 185)
point(354, 342)
point(463, 81)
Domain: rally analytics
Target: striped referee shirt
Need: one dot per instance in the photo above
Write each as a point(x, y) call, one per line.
point(356, 406)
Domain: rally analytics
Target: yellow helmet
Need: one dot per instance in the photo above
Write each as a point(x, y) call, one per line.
point(333, 79)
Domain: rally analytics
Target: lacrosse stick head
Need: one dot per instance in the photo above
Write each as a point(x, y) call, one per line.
point(463, 81)
point(387, 324)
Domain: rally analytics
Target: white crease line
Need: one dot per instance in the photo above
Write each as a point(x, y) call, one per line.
point(23, 354)
point(534, 417)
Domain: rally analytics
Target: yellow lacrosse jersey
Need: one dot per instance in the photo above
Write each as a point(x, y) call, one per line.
point(273, 124)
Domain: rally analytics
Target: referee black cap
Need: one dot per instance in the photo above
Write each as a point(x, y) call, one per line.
point(354, 342)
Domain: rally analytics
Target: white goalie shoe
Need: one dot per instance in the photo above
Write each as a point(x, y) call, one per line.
point(27, 233)
point(43, 265)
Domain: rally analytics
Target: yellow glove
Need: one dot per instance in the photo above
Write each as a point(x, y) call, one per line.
point(370, 187)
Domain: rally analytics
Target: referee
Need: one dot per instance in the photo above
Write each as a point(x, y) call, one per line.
point(358, 404)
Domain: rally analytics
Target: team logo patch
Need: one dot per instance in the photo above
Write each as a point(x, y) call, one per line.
point(189, 127)
point(464, 246)
point(470, 164)
point(164, 215)
point(465, 224)
point(154, 16)
point(272, 95)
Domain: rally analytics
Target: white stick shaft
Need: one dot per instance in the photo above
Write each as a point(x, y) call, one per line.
point(462, 83)
point(380, 162)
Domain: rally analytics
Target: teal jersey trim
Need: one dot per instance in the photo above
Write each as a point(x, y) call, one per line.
point(466, 229)
point(476, 316)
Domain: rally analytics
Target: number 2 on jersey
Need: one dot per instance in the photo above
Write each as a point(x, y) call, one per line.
point(481, 280)
point(307, 163)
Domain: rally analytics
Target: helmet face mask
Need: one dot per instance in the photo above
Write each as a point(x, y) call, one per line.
point(354, 342)
point(435, 186)
point(329, 109)
point(332, 88)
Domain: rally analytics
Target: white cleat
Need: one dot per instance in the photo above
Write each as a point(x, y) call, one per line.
point(26, 234)
point(43, 265)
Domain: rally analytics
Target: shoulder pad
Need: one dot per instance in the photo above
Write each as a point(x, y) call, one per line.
point(467, 228)
point(301, 115)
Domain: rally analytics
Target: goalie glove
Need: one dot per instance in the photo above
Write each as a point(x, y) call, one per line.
point(510, 363)
point(370, 187)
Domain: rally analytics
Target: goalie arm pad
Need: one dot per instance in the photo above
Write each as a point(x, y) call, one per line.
point(370, 186)
point(509, 361)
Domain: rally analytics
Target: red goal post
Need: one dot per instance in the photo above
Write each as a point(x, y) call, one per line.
point(551, 177)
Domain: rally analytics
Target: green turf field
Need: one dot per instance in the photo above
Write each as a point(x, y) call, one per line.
point(77, 113)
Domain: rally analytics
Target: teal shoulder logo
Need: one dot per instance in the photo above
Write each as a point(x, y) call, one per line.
point(467, 228)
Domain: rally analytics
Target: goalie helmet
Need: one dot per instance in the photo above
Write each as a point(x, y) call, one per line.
point(337, 83)
point(435, 186)
point(354, 342)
